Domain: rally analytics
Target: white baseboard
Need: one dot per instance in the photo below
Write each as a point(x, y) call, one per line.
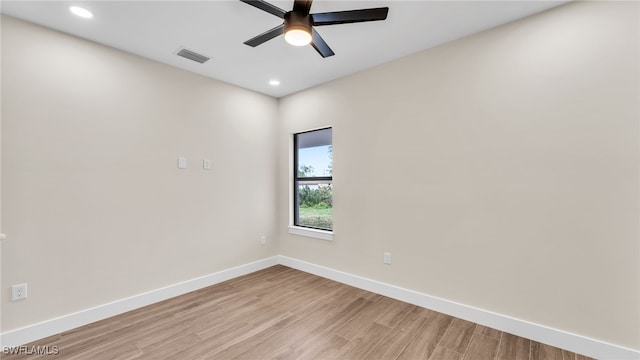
point(554, 337)
point(67, 322)
point(562, 339)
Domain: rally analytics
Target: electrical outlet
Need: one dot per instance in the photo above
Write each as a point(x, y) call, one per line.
point(18, 292)
point(387, 258)
point(263, 240)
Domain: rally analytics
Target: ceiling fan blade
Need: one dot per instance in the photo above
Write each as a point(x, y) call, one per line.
point(320, 45)
point(265, 6)
point(302, 6)
point(350, 16)
point(266, 36)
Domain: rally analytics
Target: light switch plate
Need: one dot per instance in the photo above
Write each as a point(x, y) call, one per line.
point(206, 164)
point(182, 163)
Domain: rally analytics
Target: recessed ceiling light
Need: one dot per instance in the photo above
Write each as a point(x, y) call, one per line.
point(274, 82)
point(82, 12)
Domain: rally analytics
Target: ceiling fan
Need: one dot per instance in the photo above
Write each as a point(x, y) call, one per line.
point(298, 23)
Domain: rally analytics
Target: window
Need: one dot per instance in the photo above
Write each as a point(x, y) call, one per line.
point(313, 176)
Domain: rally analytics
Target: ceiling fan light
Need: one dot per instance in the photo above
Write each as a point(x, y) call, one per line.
point(297, 36)
point(297, 28)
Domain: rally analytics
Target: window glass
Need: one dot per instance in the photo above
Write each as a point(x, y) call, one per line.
point(313, 189)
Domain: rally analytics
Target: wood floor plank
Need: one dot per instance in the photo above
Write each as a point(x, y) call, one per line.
point(214, 344)
point(338, 316)
point(442, 353)
point(283, 353)
point(308, 299)
point(74, 345)
point(481, 347)
point(458, 335)
point(513, 347)
point(394, 343)
point(195, 322)
point(487, 331)
point(289, 335)
point(116, 352)
point(170, 348)
point(221, 337)
point(252, 339)
point(424, 312)
point(327, 348)
point(543, 351)
point(96, 329)
point(428, 337)
point(395, 311)
point(160, 309)
point(364, 319)
point(311, 330)
point(162, 335)
point(282, 313)
point(359, 348)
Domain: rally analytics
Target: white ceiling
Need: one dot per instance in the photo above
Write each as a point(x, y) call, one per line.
point(157, 29)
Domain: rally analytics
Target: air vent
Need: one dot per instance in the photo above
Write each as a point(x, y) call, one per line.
point(188, 54)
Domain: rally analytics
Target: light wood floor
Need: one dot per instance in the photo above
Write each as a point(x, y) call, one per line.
point(282, 313)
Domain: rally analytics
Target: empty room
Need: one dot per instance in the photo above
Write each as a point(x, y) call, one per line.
point(297, 179)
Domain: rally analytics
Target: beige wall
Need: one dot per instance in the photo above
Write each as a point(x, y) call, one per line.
point(501, 171)
point(94, 205)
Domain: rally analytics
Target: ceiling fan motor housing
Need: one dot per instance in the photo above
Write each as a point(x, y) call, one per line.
point(297, 21)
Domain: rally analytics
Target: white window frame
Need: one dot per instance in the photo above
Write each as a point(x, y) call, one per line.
point(320, 234)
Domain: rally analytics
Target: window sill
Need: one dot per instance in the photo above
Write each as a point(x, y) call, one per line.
point(313, 233)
